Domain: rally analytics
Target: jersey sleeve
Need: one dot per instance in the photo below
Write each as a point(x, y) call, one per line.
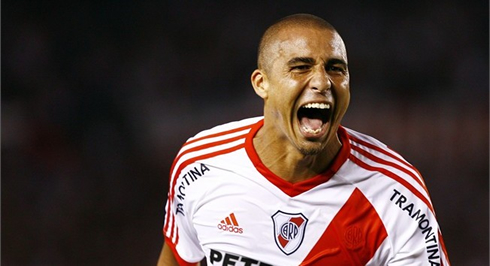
point(178, 230)
point(416, 237)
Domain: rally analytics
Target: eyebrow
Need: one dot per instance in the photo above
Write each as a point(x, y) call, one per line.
point(296, 60)
point(309, 60)
point(334, 61)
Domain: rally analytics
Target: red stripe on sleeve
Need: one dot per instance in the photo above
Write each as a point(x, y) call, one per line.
point(379, 149)
point(181, 261)
point(394, 177)
point(394, 165)
point(220, 134)
point(443, 247)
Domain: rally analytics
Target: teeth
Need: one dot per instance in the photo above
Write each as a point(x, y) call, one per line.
point(309, 130)
point(317, 105)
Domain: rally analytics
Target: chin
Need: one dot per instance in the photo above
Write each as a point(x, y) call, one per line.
point(315, 146)
point(311, 148)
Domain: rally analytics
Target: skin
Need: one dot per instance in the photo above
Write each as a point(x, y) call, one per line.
point(305, 64)
point(299, 63)
point(167, 257)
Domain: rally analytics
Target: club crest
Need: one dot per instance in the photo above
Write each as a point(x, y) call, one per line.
point(289, 230)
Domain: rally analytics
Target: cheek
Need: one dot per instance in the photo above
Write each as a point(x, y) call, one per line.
point(286, 93)
point(343, 90)
point(343, 101)
point(345, 83)
point(344, 97)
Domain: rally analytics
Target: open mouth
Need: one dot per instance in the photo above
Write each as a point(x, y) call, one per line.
point(312, 117)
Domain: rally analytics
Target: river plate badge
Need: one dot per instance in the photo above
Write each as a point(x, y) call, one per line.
point(289, 230)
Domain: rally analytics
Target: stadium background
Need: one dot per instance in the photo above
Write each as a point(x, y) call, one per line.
point(97, 97)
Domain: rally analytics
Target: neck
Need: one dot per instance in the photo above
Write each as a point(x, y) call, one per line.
point(289, 163)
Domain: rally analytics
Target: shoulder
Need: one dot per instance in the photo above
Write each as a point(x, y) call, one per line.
point(368, 150)
point(375, 158)
point(389, 173)
point(219, 137)
point(209, 143)
point(358, 138)
point(243, 125)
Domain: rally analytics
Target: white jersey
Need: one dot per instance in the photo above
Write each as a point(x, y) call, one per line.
point(370, 207)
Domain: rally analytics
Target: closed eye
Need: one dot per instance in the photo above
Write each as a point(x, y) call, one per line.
point(300, 63)
point(336, 66)
point(300, 67)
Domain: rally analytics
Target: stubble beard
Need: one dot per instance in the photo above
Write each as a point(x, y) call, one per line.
point(310, 150)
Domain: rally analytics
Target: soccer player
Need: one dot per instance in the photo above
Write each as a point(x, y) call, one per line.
point(294, 187)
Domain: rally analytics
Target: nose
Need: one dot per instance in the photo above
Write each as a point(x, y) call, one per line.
point(320, 81)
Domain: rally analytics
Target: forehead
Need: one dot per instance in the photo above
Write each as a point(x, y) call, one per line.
point(308, 42)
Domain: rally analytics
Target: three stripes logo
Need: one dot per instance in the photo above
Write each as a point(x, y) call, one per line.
point(230, 224)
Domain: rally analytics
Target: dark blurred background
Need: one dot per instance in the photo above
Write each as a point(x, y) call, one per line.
point(98, 96)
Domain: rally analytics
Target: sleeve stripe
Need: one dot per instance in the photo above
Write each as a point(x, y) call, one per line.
point(388, 163)
point(403, 165)
point(205, 146)
point(223, 133)
point(443, 246)
point(176, 254)
point(389, 153)
point(394, 177)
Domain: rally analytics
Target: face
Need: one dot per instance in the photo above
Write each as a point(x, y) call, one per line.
point(305, 87)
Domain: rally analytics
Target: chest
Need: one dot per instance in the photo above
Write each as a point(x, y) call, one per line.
point(241, 218)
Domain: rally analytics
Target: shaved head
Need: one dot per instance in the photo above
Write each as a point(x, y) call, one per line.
point(265, 55)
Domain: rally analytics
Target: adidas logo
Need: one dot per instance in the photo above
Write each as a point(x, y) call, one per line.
point(230, 224)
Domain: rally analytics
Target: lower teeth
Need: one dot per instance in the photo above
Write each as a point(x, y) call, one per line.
point(309, 130)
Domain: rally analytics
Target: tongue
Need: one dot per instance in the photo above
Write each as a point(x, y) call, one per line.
point(311, 123)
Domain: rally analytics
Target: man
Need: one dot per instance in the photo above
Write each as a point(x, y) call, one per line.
point(294, 187)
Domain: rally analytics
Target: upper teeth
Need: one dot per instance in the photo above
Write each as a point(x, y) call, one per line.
point(317, 105)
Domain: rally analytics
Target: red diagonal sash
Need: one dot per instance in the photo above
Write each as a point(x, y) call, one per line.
point(353, 236)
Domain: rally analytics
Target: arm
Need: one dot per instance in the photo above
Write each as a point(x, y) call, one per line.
point(418, 236)
point(167, 257)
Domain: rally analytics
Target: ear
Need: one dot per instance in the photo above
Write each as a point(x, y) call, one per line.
point(260, 83)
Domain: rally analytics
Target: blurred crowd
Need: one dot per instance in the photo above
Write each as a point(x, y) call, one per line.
point(98, 96)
